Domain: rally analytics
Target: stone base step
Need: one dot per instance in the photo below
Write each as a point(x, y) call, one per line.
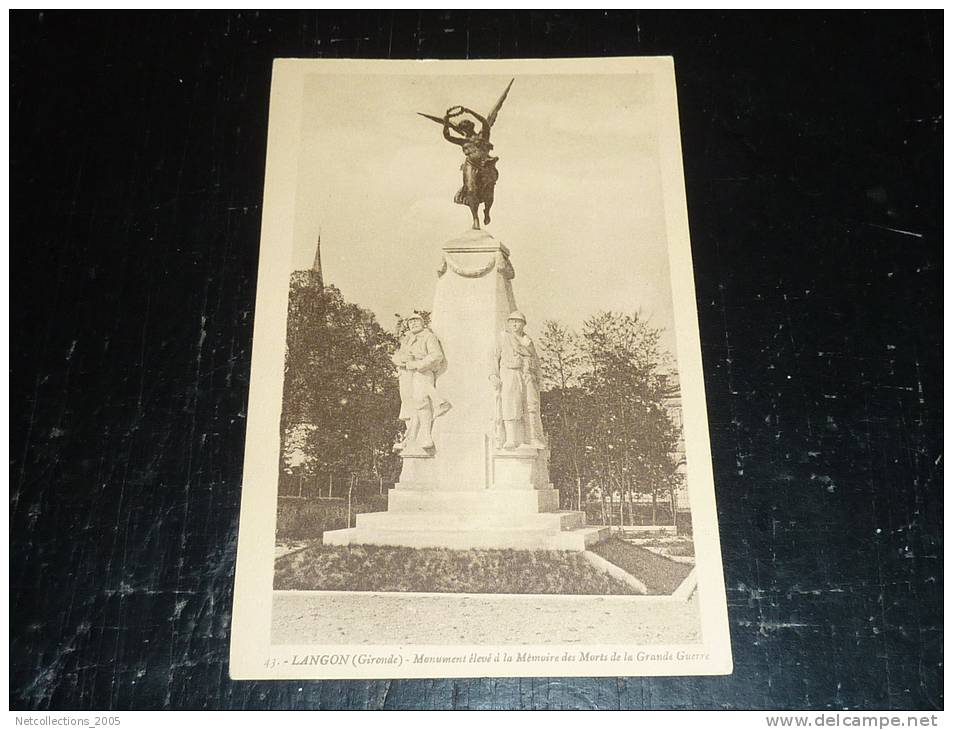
point(484, 501)
point(501, 520)
point(518, 539)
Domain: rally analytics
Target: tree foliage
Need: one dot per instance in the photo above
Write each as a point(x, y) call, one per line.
point(340, 395)
point(562, 357)
point(604, 408)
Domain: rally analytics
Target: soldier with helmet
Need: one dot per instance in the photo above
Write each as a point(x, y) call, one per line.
point(419, 360)
point(516, 377)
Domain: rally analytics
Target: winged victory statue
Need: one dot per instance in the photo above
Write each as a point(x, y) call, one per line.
point(479, 166)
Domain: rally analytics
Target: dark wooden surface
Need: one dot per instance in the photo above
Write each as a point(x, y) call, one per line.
point(812, 148)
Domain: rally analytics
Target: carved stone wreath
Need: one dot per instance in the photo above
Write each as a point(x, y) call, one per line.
point(499, 261)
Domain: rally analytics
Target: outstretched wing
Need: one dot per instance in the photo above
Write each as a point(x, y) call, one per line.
point(431, 117)
point(491, 117)
point(440, 121)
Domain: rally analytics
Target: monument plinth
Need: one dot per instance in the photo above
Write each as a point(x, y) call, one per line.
point(468, 491)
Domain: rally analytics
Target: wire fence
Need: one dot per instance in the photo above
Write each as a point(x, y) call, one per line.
point(330, 486)
point(633, 511)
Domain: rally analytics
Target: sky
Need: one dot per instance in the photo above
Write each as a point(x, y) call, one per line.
point(578, 202)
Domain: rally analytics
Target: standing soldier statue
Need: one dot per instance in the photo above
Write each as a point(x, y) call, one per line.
point(479, 167)
point(419, 361)
point(515, 375)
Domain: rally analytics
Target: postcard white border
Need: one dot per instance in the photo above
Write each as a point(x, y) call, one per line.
point(252, 656)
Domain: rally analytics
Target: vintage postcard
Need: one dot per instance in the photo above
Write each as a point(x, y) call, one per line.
point(477, 436)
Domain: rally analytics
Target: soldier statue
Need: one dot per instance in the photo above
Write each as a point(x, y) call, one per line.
point(515, 376)
point(419, 361)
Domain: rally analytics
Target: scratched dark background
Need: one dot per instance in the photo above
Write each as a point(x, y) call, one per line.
point(812, 146)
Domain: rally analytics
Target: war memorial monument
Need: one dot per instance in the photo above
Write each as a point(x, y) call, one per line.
point(475, 459)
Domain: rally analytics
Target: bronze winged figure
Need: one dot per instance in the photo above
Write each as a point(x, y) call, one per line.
point(479, 167)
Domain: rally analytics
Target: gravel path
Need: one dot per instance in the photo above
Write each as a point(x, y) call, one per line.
point(395, 618)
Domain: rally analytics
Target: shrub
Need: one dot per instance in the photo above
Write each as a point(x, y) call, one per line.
point(437, 570)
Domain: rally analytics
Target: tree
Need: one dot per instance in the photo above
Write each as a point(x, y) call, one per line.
point(561, 356)
point(563, 407)
point(635, 436)
point(340, 395)
point(605, 408)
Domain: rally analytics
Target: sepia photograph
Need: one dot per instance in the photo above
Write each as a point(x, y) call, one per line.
point(477, 431)
point(471, 359)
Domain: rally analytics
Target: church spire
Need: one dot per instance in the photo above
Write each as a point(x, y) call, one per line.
point(316, 266)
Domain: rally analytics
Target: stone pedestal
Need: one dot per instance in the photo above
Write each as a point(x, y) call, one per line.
point(470, 493)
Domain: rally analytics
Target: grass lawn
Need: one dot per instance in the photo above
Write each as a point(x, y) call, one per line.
point(436, 570)
point(660, 575)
